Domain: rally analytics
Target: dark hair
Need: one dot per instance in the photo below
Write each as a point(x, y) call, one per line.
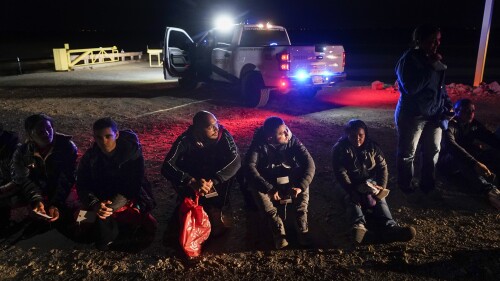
point(201, 117)
point(271, 124)
point(104, 123)
point(31, 122)
point(354, 125)
point(461, 103)
point(422, 32)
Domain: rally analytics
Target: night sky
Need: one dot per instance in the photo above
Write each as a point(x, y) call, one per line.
point(151, 15)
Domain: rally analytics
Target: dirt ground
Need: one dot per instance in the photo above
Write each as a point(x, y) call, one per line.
point(457, 237)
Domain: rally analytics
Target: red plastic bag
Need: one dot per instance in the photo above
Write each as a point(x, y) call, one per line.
point(195, 226)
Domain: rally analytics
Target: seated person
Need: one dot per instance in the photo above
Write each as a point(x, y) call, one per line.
point(279, 167)
point(43, 171)
point(464, 153)
point(111, 184)
point(360, 168)
point(8, 144)
point(203, 160)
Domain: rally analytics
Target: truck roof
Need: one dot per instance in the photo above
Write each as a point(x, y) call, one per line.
point(262, 26)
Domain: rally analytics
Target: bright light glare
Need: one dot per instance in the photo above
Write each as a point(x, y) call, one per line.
point(301, 74)
point(268, 25)
point(224, 23)
point(332, 57)
point(260, 25)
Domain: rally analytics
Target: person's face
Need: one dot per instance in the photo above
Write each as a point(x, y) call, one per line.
point(357, 137)
point(43, 133)
point(431, 44)
point(106, 139)
point(466, 113)
point(281, 135)
point(211, 130)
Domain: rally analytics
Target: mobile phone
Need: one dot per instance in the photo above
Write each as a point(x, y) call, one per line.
point(212, 193)
point(43, 215)
point(85, 216)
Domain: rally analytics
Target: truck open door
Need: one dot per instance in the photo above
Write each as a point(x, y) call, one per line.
point(177, 47)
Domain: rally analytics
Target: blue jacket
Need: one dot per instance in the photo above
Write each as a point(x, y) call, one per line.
point(422, 89)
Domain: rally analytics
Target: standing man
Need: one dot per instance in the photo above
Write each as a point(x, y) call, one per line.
point(423, 108)
point(463, 152)
point(279, 169)
point(203, 160)
point(112, 186)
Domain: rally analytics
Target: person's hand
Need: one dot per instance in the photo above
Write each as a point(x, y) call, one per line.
point(274, 195)
point(482, 170)
point(435, 57)
point(104, 211)
point(295, 192)
point(54, 213)
point(39, 208)
point(206, 186)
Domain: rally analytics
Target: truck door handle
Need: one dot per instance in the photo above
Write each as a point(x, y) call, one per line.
point(227, 55)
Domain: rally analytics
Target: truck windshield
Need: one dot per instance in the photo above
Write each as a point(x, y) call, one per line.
point(263, 37)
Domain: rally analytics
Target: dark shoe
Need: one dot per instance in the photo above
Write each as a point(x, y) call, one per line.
point(304, 239)
point(280, 242)
point(397, 234)
point(358, 233)
point(494, 198)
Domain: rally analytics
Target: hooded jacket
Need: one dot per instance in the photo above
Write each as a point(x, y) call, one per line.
point(117, 178)
point(353, 166)
point(8, 144)
point(190, 158)
point(460, 141)
point(264, 162)
point(422, 88)
point(48, 179)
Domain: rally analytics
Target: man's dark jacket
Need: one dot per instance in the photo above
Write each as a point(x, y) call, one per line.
point(117, 178)
point(422, 88)
point(8, 144)
point(190, 158)
point(48, 180)
point(264, 162)
point(460, 141)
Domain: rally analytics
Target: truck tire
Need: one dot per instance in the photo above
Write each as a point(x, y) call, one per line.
point(309, 92)
point(187, 83)
point(253, 91)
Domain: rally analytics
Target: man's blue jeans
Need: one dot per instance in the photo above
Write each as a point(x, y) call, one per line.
point(376, 217)
point(411, 130)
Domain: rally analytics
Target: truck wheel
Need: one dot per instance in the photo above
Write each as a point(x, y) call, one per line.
point(253, 91)
point(309, 92)
point(187, 83)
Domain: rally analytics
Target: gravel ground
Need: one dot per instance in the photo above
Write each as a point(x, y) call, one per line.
point(457, 237)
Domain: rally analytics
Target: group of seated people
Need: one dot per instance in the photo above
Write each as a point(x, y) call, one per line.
point(203, 162)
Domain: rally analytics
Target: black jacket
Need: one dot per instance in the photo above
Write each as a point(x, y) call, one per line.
point(51, 178)
point(117, 178)
point(422, 89)
point(353, 166)
point(264, 163)
point(460, 141)
point(189, 158)
point(8, 144)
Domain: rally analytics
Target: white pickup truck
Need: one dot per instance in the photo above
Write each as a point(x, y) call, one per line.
point(257, 57)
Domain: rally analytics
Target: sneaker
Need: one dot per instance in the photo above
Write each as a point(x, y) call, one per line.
point(304, 239)
point(358, 232)
point(280, 243)
point(397, 234)
point(494, 198)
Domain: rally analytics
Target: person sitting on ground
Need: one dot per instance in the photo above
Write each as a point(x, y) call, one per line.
point(360, 168)
point(8, 144)
point(279, 168)
point(202, 161)
point(463, 152)
point(43, 170)
point(111, 185)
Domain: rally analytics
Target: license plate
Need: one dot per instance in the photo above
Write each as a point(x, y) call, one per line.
point(317, 79)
